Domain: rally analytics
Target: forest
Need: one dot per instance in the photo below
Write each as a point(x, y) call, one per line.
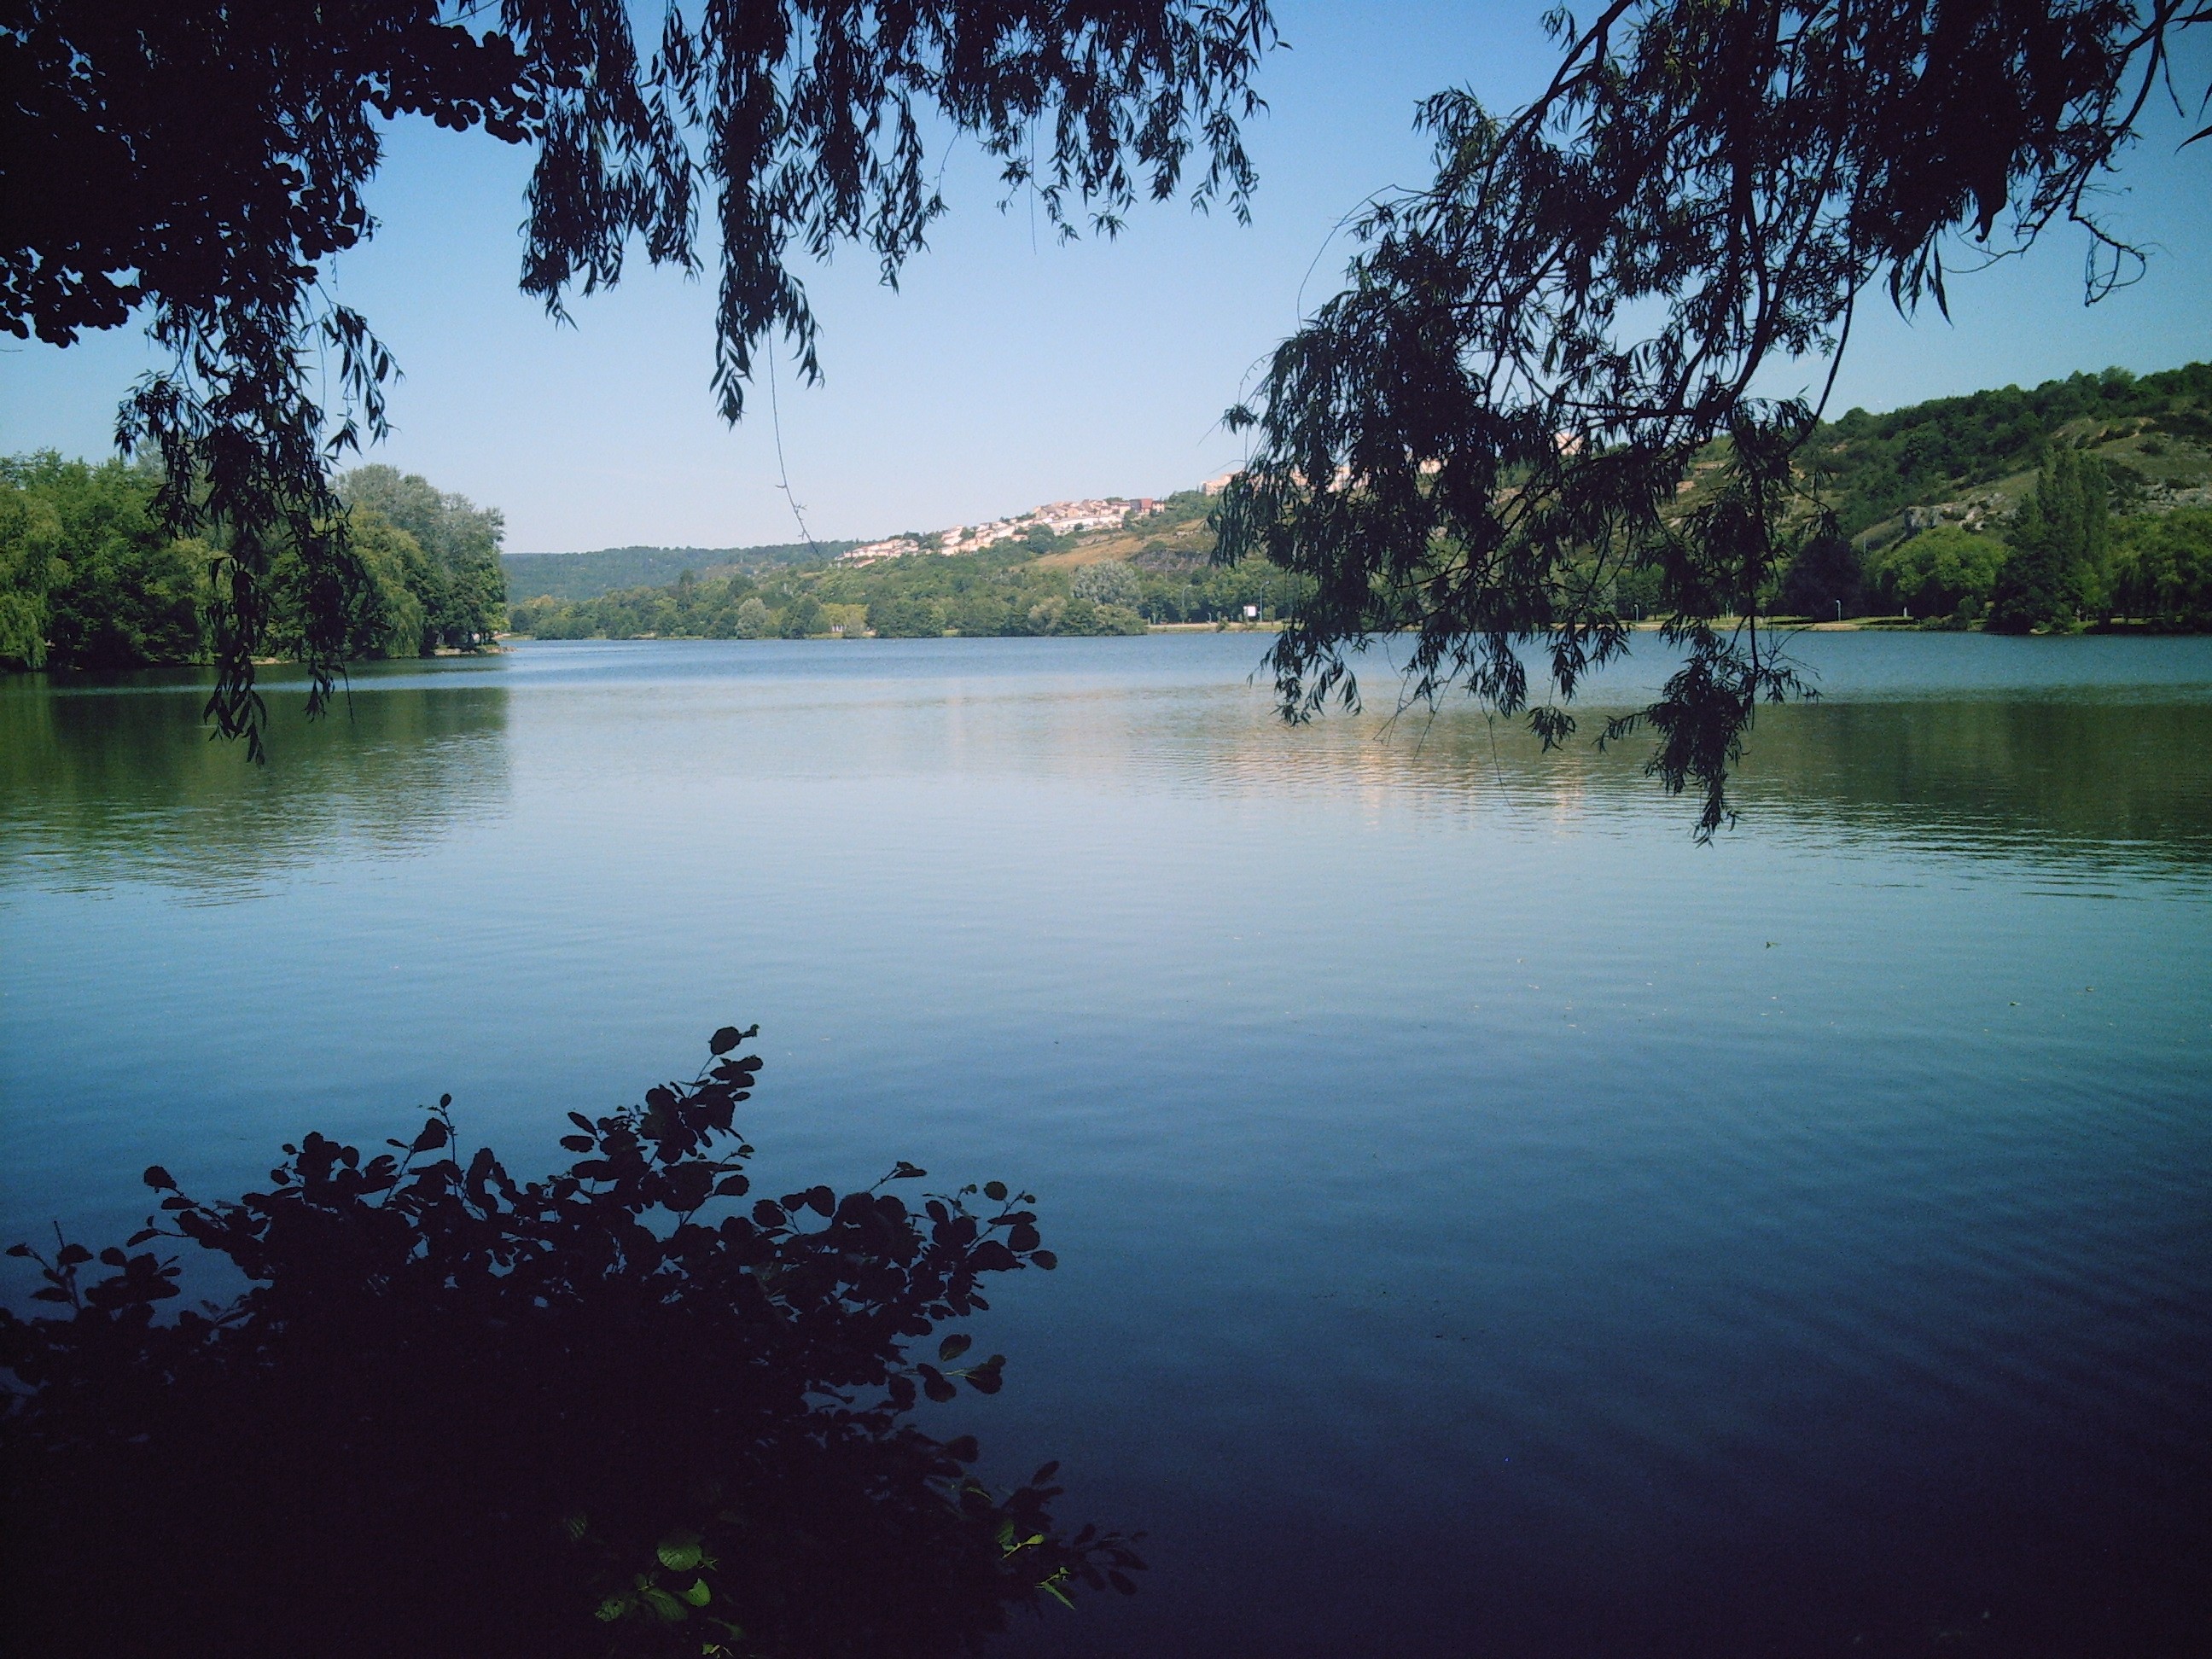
point(2080, 503)
point(91, 579)
point(1874, 466)
point(1041, 584)
point(2085, 502)
point(587, 575)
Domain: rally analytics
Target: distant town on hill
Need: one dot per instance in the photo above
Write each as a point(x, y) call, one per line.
point(1914, 516)
point(2082, 502)
point(1046, 527)
point(1968, 461)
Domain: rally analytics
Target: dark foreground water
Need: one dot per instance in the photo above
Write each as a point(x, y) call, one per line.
point(1491, 1223)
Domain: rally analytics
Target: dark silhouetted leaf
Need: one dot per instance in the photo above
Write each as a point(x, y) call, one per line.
point(670, 1371)
point(681, 1550)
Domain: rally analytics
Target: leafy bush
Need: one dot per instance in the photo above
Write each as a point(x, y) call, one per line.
point(88, 579)
point(613, 1411)
point(905, 616)
point(1942, 572)
point(2163, 568)
point(458, 581)
point(1108, 582)
point(1824, 578)
point(2054, 578)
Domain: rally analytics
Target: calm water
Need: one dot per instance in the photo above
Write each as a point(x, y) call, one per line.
point(1491, 1223)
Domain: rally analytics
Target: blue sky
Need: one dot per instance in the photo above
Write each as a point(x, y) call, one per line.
point(1009, 369)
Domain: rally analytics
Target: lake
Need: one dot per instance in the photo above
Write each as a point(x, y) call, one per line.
point(1491, 1223)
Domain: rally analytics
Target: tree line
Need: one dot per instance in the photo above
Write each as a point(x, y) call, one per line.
point(91, 577)
point(920, 596)
point(2065, 560)
point(1011, 589)
point(2071, 558)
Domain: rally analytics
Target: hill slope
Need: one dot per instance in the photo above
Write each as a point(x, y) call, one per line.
point(1973, 459)
point(587, 575)
point(1966, 462)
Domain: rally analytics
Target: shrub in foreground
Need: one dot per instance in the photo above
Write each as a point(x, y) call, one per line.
point(633, 1408)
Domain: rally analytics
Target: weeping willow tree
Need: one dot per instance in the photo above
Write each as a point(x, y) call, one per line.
point(1490, 426)
point(199, 163)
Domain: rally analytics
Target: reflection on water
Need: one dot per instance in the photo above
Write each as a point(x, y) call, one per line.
point(116, 779)
point(2130, 781)
point(2094, 779)
point(1489, 1223)
point(119, 781)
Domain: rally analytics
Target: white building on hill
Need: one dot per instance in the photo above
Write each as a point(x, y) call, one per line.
point(1056, 518)
point(897, 547)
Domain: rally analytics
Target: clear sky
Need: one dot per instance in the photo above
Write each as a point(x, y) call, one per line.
point(1008, 369)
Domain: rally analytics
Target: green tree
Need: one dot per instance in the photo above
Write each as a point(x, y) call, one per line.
point(95, 578)
point(385, 614)
point(802, 618)
point(1108, 582)
point(804, 122)
point(1947, 571)
point(1825, 578)
point(2054, 578)
point(2163, 568)
point(30, 562)
point(1494, 416)
point(905, 616)
point(461, 589)
point(982, 611)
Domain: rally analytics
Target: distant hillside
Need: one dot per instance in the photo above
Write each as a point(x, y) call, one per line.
point(1974, 457)
point(1174, 535)
point(587, 575)
point(1967, 461)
